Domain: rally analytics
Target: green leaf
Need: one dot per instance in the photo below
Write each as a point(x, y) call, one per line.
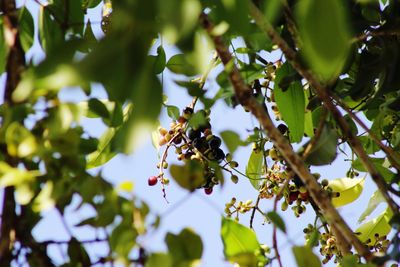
point(305, 257)
point(173, 112)
point(197, 120)
point(122, 240)
point(325, 42)
point(3, 48)
point(190, 176)
point(98, 108)
point(20, 141)
point(379, 225)
point(104, 150)
point(291, 103)
point(159, 61)
point(159, 259)
point(10, 176)
point(146, 101)
point(77, 253)
point(232, 140)
point(185, 248)
point(240, 243)
point(373, 202)
point(379, 163)
point(26, 28)
point(50, 34)
point(277, 220)
point(353, 261)
point(349, 190)
point(254, 168)
point(324, 150)
point(235, 13)
point(179, 64)
point(88, 36)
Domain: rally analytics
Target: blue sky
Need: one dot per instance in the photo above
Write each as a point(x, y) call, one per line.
point(197, 210)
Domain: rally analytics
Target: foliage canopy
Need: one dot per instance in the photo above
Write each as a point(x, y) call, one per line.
point(334, 84)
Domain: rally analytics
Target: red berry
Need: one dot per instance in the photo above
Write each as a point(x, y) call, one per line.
point(293, 196)
point(208, 191)
point(152, 180)
point(304, 196)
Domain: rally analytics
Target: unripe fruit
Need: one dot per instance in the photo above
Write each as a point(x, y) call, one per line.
point(162, 131)
point(152, 180)
point(324, 182)
point(162, 141)
point(233, 164)
point(235, 179)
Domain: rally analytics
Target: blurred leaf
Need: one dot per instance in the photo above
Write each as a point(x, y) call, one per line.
point(159, 61)
point(126, 186)
point(353, 261)
point(349, 190)
point(98, 108)
point(44, 201)
point(254, 168)
point(379, 225)
point(89, 38)
point(324, 150)
point(277, 220)
point(232, 140)
point(147, 101)
point(77, 253)
point(373, 202)
point(185, 248)
point(20, 141)
point(90, 3)
point(159, 259)
point(104, 150)
point(50, 34)
point(235, 12)
point(179, 64)
point(305, 257)
point(290, 102)
point(26, 28)
point(3, 48)
point(189, 176)
point(173, 112)
point(10, 176)
point(240, 243)
point(325, 43)
point(23, 193)
point(122, 240)
point(198, 119)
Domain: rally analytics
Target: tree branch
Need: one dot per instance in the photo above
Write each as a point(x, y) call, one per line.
point(323, 93)
point(14, 67)
point(246, 99)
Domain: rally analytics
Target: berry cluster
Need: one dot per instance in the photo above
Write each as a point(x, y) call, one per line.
point(379, 243)
point(326, 241)
point(194, 142)
point(235, 208)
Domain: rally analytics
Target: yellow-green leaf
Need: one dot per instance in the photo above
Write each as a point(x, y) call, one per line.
point(379, 225)
point(349, 190)
point(305, 257)
point(376, 199)
point(254, 168)
point(240, 243)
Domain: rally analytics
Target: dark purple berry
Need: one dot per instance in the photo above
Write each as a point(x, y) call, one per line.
point(208, 190)
point(214, 142)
